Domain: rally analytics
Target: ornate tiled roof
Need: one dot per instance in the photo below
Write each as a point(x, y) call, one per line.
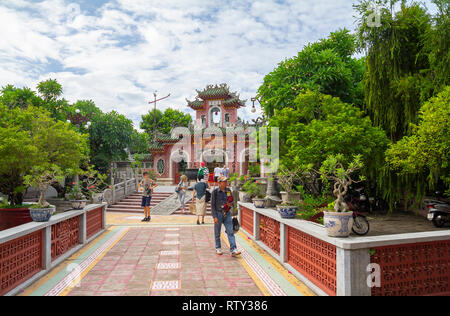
point(196, 105)
point(156, 147)
point(212, 92)
point(163, 138)
point(234, 100)
point(216, 92)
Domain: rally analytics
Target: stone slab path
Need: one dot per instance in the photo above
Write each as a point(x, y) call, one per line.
point(166, 259)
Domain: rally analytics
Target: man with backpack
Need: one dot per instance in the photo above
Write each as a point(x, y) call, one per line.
point(222, 204)
point(201, 194)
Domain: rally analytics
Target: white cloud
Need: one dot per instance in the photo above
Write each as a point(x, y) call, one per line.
point(121, 52)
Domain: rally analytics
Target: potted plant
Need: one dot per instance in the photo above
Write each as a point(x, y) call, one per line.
point(289, 207)
point(286, 179)
point(93, 182)
point(76, 197)
point(41, 178)
point(243, 194)
point(256, 193)
point(338, 220)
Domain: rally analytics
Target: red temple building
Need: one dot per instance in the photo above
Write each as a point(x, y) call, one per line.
point(216, 109)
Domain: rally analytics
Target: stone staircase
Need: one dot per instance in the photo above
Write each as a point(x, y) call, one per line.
point(132, 203)
point(163, 203)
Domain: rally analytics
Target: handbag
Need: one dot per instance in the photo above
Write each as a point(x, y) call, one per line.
point(193, 208)
point(236, 225)
point(177, 189)
point(208, 196)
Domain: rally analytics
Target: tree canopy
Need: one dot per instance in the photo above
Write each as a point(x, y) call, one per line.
point(31, 138)
point(165, 121)
point(325, 66)
point(427, 149)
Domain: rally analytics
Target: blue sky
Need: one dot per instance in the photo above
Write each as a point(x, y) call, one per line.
point(118, 52)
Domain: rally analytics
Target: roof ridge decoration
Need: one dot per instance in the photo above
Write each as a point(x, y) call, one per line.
point(216, 92)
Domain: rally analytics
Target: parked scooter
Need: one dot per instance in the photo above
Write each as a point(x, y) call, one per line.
point(357, 200)
point(438, 212)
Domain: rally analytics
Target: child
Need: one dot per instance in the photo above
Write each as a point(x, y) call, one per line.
point(147, 185)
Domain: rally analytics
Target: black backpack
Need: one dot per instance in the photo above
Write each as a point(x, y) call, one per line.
point(208, 196)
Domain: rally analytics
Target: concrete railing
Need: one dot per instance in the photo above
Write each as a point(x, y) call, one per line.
point(120, 190)
point(403, 264)
point(29, 251)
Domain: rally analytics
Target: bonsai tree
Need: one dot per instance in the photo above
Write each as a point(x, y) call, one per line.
point(254, 189)
point(75, 193)
point(93, 181)
point(287, 178)
point(42, 177)
point(32, 139)
point(333, 169)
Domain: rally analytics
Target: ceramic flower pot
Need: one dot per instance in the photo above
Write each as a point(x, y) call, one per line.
point(97, 198)
point(78, 204)
point(338, 224)
point(244, 197)
point(287, 211)
point(42, 214)
point(259, 203)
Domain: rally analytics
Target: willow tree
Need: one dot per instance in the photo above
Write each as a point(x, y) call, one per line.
point(405, 57)
point(396, 83)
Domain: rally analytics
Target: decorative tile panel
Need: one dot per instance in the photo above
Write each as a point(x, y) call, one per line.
point(269, 232)
point(20, 259)
point(314, 258)
point(413, 269)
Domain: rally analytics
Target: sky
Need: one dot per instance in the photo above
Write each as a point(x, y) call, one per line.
point(118, 52)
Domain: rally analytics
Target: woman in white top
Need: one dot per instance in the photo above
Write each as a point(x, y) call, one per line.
point(217, 173)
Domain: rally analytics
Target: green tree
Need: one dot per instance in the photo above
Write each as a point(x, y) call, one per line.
point(50, 90)
point(109, 135)
point(18, 97)
point(32, 138)
point(320, 126)
point(427, 150)
point(325, 66)
point(437, 44)
point(87, 107)
point(139, 143)
point(164, 121)
point(396, 80)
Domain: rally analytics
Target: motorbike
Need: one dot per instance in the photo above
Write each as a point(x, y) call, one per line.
point(438, 212)
point(357, 200)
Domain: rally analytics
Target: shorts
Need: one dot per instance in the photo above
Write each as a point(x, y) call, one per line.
point(146, 201)
point(216, 178)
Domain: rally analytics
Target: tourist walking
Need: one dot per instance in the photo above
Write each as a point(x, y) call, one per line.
point(217, 173)
point(221, 206)
point(146, 186)
point(203, 171)
point(199, 194)
point(181, 190)
point(226, 172)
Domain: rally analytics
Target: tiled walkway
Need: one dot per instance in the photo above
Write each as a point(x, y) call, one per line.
point(166, 259)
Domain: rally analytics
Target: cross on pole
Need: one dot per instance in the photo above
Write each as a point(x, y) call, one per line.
point(154, 112)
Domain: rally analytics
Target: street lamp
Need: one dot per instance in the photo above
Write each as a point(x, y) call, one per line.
point(79, 119)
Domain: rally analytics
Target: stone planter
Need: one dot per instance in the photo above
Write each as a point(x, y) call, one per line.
point(42, 214)
point(244, 197)
point(259, 203)
point(287, 211)
point(78, 204)
point(338, 224)
point(290, 197)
